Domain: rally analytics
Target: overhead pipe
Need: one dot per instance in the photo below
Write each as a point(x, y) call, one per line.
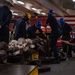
point(59, 7)
point(49, 5)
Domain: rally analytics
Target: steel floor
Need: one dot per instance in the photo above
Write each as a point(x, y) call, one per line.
point(64, 68)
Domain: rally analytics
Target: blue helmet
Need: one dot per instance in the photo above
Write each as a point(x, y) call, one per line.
point(39, 24)
point(61, 20)
point(51, 11)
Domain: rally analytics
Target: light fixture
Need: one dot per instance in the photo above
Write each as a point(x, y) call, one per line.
point(15, 1)
point(39, 9)
point(33, 8)
point(28, 5)
point(43, 13)
point(20, 2)
point(12, 11)
point(73, 0)
point(15, 14)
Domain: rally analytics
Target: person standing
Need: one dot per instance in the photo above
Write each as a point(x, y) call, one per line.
point(55, 33)
point(66, 36)
point(5, 18)
point(20, 26)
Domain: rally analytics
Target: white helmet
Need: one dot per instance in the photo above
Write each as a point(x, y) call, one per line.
point(11, 2)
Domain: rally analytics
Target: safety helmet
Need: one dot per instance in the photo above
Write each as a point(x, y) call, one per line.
point(51, 11)
point(61, 20)
point(39, 24)
point(28, 15)
point(10, 2)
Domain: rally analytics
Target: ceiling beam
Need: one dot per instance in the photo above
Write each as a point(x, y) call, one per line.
point(48, 5)
point(59, 7)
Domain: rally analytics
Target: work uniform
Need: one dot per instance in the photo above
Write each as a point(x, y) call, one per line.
point(31, 31)
point(66, 36)
point(72, 41)
point(72, 47)
point(5, 18)
point(55, 33)
point(20, 31)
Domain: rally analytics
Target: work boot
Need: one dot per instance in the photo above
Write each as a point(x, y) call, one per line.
point(55, 61)
point(63, 56)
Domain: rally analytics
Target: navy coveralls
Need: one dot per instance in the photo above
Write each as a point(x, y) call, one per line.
point(66, 36)
point(72, 47)
point(72, 41)
point(55, 34)
point(20, 31)
point(5, 18)
point(31, 31)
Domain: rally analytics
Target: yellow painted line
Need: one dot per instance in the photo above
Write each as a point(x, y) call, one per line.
point(34, 71)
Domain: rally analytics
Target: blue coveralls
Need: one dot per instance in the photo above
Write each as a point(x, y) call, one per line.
point(66, 36)
point(20, 31)
point(72, 47)
point(5, 18)
point(31, 31)
point(55, 34)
